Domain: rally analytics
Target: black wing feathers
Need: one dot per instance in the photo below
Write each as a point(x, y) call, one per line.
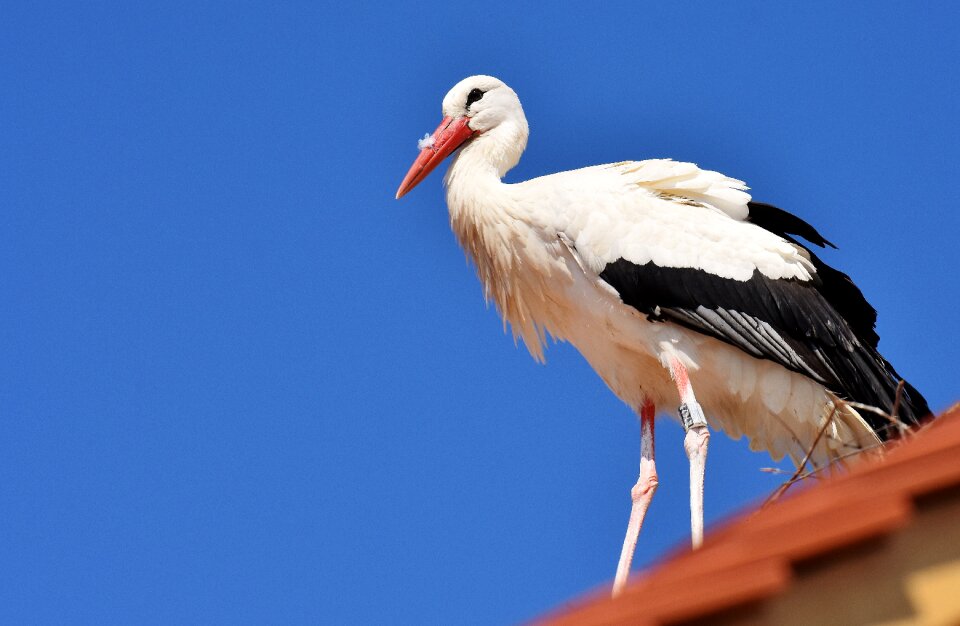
point(836, 287)
point(823, 328)
point(769, 217)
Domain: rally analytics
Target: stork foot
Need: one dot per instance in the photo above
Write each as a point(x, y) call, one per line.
point(641, 494)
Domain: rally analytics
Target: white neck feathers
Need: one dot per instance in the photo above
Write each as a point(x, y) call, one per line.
point(487, 217)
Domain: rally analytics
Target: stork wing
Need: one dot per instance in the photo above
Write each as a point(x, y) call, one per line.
point(686, 246)
point(787, 320)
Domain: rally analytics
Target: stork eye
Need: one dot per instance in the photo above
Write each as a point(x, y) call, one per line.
point(473, 96)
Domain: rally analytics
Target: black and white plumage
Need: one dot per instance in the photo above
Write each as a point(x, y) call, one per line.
point(821, 327)
point(668, 279)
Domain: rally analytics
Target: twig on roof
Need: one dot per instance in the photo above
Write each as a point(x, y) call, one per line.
point(800, 466)
point(773, 470)
point(895, 411)
point(813, 473)
point(893, 415)
point(777, 470)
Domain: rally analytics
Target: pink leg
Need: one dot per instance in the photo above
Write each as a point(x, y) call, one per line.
point(695, 444)
point(642, 494)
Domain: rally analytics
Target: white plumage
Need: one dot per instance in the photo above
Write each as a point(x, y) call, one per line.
point(541, 284)
point(652, 269)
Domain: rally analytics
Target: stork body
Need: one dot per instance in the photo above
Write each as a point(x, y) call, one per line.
point(528, 240)
point(668, 279)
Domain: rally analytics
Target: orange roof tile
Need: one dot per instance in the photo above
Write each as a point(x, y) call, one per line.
point(751, 558)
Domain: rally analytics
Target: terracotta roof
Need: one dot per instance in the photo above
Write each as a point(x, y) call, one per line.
point(754, 557)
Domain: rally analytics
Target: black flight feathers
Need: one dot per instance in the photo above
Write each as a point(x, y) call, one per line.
point(836, 287)
point(769, 217)
point(822, 329)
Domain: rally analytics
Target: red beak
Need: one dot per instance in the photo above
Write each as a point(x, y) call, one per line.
point(450, 135)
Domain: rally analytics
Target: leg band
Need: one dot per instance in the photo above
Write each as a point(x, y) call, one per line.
point(691, 415)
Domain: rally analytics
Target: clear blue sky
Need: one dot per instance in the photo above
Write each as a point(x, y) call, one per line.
point(241, 384)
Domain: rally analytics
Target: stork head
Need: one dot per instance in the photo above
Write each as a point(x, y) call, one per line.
point(480, 111)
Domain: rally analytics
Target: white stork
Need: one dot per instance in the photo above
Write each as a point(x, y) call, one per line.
point(668, 279)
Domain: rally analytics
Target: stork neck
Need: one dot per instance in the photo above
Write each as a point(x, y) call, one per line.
point(474, 187)
point(479, 166)
point(472, 183)
point(499, 148)
point(473, 163)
